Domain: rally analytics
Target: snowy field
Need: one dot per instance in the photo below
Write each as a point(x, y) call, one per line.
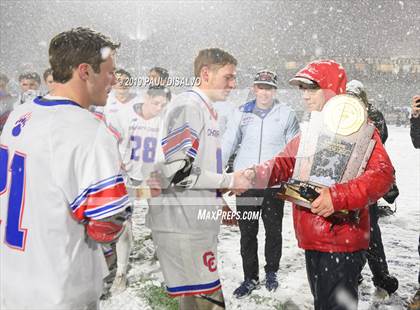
point(399, 231)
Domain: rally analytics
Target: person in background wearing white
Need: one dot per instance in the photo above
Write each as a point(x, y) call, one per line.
point(137, 127)
point(122, 95)
point(48, 80)
point(258, 130)
point(6, 100)
point(29, 83)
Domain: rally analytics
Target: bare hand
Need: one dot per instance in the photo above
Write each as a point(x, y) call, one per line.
point(323, 205)
point(228, 216)
point(155, 184)
point(250, 174)
point(241, 182)
point(415, 107)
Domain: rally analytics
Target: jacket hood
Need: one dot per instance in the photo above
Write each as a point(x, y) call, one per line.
point(329, 75)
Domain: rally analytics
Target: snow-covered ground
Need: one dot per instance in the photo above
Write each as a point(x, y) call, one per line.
point(399, 232)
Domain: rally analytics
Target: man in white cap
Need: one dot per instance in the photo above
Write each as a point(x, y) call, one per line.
point(257, 131)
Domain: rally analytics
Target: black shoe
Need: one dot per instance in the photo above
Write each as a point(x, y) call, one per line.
point(388, 283)
point(246, 288)
point(271, 282)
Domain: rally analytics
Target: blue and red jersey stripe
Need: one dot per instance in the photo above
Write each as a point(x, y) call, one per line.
point(197, 289)
point(183, 137)
point(102, 199)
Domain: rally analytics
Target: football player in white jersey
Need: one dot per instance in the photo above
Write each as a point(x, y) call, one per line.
point(29, 83)
point(191, 174)
point(48, 80)
point(6, 100)
point(121, 96)
point(138, 128)
point(61, 190)
point(158, 76)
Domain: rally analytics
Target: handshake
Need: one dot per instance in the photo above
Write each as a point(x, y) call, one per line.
point(242, 180)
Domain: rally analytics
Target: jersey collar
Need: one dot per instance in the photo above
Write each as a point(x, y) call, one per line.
point(207, 102)
point(203, 96)
point(53, 102)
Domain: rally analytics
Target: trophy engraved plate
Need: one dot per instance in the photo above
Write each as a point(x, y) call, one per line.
point(334, 148)
point(330, 160)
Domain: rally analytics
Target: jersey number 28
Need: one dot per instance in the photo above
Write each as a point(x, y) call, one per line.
point(15, 235)
point(147, 153)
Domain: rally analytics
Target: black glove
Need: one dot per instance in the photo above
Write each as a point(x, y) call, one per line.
point(392, 194)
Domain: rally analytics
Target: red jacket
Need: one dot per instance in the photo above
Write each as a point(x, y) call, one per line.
point(315, 232)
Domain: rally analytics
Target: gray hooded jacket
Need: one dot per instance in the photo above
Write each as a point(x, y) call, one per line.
point(258, 136)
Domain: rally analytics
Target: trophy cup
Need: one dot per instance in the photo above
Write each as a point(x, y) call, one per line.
point(334, 148)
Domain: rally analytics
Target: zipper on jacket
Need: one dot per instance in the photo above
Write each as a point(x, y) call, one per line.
point(261, 132)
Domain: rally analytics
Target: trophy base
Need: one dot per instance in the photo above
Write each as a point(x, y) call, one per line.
point(299, 193)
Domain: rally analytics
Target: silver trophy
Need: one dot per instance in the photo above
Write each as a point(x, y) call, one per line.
point(334, 148)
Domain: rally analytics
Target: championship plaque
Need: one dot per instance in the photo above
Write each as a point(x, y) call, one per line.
point(334, 148)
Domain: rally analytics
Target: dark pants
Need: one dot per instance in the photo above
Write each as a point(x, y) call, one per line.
point(375, 254)
point(271, 211)
point(333, 278)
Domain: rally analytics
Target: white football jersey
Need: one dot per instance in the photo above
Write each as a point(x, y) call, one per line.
point(113, 105)
point(190, 128)
point(138, 140)
point(59, 169)
point(225, 110)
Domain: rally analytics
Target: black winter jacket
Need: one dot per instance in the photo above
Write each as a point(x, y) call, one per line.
point(415, 131)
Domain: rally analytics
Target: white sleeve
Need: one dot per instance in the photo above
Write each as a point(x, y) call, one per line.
point(91, 178)
point(183, 126)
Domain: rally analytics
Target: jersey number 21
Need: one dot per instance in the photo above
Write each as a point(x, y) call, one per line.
point(15, 235)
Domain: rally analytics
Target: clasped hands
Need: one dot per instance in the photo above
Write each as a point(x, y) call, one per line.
point(242, 181)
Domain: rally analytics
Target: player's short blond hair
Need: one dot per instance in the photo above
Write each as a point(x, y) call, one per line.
point(214, 58)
